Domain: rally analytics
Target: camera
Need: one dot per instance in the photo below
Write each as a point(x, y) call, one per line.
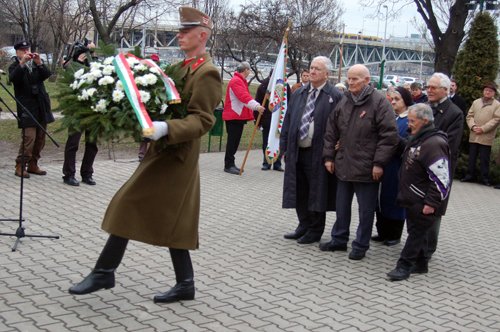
point(78, 48)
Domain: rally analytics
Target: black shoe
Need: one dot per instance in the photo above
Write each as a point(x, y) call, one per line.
point(398, 274)
point(96, 280)
point(420, 268)
point(89, 181)
point(309, 238)
point(70, 180)
point(181, 291)
point(378, 238)
point(497, 186)
point(330, 246)
point(391, 243)
point(294, 235)
point(266, 167)
point(467, 178)
point(357, 255)
point(279, 169)
point(232, 170)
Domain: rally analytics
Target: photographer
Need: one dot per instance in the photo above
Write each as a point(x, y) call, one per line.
point(81, 54)
point(27, 74)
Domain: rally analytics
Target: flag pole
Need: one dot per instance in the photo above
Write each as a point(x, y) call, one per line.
point(257, 122)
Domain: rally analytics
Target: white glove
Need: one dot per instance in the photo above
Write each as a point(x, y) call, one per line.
point(160, 130)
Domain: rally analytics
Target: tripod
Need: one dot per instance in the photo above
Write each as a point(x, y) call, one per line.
point(19, 234)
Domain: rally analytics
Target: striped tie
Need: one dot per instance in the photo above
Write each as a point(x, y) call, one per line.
point(307, 116)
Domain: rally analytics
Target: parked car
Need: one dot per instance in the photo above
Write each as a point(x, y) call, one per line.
point(408, 79)
point(392, 80)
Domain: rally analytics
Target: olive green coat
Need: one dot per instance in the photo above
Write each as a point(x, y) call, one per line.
point(160, 203)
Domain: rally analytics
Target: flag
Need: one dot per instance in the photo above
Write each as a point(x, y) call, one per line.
point(278, 102)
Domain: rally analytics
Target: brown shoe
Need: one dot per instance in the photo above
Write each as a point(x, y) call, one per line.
point(34, 169)
point(20, 171)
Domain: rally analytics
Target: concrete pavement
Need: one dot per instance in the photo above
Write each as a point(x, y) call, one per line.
point(248, 277)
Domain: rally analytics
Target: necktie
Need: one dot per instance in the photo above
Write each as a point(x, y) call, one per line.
point(307, 116)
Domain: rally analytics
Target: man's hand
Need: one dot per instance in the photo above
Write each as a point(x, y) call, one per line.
point(428, 209)
point(330, 166)
point(160, 130)
point(260, 109)
point(377, 173)
point(36, 58)
point(25, 58)
point(478, 130)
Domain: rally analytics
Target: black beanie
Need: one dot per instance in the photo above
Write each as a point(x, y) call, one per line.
point(406, 95)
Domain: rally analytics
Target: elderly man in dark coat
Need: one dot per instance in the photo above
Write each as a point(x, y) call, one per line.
point(307, 186)
point(360, 139)
point(160, 203)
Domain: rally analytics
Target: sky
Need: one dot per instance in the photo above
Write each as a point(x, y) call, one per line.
point(359, 18)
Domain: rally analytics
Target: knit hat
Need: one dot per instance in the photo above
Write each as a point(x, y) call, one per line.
point(491, 85)
point(406, 95)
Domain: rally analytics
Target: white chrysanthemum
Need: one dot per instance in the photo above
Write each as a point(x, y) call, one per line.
point(163, 108)
point(100, 106)
point(151, 79)
point(108, 70)
point(118, 95)
point(108, 60)
point(140, 67)
point(74, 85)
point(91, 91)
point(145, 96)
point(119, 85)
point(97, 73)
point(95, 66)
point(82, 82)
point(140, 80)
point(89, 79)
point(106, 80)
point(79, 73)
point(154, 70)
point(84, 95)
point(132, 61)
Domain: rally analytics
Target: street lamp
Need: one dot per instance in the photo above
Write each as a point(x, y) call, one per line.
point(382, 63)
point(356, 49)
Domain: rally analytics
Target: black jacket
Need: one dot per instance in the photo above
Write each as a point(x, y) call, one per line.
point(30, 92)
point(425, 176)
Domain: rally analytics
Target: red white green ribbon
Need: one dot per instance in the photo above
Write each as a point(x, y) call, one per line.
point(126, 76)
point(173, 96)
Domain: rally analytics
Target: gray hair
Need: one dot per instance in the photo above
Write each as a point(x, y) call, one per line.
point(444, 81)
point(326, 61)
point(422, 111)
point(242, 66)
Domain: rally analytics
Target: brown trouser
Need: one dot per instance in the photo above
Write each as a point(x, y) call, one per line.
point(34, 141)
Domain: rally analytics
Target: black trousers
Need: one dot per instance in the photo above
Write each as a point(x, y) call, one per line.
point(416, 249)
point(69, 168)
point(265, 137)
point(234, 130)
point(484, 152)
point(312, 222)
point(389, 229)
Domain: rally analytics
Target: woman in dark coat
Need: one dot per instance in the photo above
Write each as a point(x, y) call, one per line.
point(391, 217)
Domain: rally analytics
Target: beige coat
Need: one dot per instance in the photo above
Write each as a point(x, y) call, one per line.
point(485, 116)
point(160, 203)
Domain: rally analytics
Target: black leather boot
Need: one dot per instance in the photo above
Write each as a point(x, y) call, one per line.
point(96, 280)
point(184, 275)
point(103, 274)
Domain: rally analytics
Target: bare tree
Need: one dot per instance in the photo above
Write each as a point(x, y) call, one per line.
point(256, 32)
point(446, 21)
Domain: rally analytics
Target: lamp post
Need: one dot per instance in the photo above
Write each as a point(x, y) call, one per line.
point(382, 63)
point(356, 49)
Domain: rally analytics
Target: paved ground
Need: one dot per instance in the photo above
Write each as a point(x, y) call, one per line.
point(248, 277)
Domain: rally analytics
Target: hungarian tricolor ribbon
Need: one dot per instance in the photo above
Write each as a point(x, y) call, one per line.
point(126, 76)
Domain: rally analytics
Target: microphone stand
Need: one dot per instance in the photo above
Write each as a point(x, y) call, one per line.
point(19, 234)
